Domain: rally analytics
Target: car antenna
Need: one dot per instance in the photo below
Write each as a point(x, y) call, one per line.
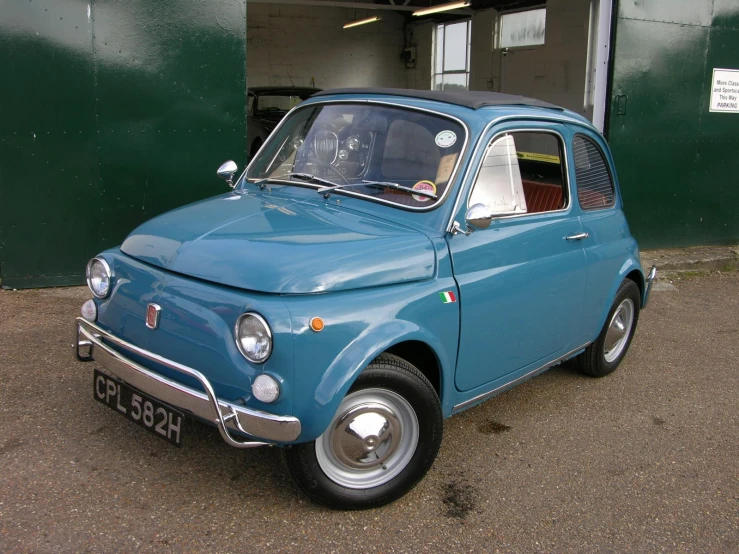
point(289, 77)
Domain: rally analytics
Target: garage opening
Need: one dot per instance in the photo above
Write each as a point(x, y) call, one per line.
point(555, 50)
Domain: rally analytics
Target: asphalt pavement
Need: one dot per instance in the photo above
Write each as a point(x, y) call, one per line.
point(644, 460)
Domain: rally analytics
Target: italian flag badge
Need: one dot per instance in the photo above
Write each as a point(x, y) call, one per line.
point(447, 297)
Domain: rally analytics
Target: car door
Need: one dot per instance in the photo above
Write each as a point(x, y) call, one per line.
point(609, 241)
point(521, 280)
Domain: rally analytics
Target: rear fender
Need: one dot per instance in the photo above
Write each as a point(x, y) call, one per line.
point(630, 265)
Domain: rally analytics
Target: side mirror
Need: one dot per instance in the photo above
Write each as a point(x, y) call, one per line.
point(227, 170)
point(479, 216)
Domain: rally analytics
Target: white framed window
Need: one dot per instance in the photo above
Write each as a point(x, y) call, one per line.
point(524, 172)
point(452, 56)
point(525, 28)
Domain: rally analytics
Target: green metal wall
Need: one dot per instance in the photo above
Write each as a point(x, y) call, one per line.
point(678, 164)
point(111, 111)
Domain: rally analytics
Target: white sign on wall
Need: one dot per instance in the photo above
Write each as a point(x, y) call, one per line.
point(725, 91)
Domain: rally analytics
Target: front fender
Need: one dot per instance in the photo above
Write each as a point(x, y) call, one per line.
point(360, 325)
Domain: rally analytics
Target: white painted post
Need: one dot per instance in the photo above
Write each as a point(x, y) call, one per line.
point(603, 42)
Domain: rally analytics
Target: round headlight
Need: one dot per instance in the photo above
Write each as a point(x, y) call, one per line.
point(253, 337)
point(98, 277)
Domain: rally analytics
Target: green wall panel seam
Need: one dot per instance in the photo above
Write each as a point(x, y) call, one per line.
point(679, 23)
point(96, 114)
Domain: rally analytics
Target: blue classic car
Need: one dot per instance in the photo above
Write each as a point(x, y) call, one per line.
point(388, 259)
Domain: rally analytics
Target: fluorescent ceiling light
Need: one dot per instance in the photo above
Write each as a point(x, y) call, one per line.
point(442, 8)
point(362, 21)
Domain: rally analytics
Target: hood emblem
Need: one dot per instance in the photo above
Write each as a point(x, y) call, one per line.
point(152, 315)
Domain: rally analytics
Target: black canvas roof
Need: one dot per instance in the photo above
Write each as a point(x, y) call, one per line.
point(469, 99)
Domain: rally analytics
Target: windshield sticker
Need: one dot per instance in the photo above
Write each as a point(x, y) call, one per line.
point(427, 186)
point(445, 139)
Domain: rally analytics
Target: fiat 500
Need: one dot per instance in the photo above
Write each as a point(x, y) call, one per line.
point(389, 258)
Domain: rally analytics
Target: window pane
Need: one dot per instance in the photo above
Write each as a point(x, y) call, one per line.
point(542, 171)
point(439, 58)
point(522, 172)
point(594, 186)
point(455, 47)
point(499, 184)
point(438, 82)
point(389, 144)
point(455, 81)
point(523, 28)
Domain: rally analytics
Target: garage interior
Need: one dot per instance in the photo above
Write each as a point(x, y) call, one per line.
point(555, 50)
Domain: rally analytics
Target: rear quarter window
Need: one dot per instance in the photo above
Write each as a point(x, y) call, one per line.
point(594, 181)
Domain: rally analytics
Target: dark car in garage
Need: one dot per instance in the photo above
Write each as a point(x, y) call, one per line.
point(267, 106)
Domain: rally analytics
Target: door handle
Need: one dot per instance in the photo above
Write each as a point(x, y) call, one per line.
point(578, 236)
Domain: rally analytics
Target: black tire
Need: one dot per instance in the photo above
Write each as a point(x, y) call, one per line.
point(386, 375)
point(597, 361)
point(255, 146)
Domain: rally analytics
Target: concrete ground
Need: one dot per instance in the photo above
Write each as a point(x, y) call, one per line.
point(693, 260)
point(645, 460)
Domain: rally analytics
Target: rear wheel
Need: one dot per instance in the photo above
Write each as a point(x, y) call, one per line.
point(383, 439)
point(605, 354)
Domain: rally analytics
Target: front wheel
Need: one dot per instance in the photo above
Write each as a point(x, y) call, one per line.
point(603, 356)
point(383, 439)
point(255, 146)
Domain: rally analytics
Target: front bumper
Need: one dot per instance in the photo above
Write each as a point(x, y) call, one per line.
point(648, 288)
point(227, 417)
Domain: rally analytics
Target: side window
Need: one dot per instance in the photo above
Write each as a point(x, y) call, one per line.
point(594, 184)
point(498, 184)
point(522, 172)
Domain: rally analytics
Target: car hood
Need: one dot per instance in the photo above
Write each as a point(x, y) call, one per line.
point(265, 244)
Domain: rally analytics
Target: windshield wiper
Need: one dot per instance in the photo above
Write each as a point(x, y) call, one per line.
point(302, 176)
point(326, 191)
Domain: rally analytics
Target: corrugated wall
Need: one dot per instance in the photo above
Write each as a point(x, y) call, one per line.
point(678, 163)
point(111, 112)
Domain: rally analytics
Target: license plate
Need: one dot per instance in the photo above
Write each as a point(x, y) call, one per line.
point(154, 416)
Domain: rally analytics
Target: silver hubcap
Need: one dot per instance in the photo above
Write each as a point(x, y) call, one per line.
point(619, 330)
point(370, 441)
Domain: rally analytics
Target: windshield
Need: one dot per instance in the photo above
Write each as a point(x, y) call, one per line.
point(361, 147)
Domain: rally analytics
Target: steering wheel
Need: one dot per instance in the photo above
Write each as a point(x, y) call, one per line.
point(313, 158)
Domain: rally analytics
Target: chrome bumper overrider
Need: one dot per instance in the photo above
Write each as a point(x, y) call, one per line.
point(225, 415)
point(650, 280)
